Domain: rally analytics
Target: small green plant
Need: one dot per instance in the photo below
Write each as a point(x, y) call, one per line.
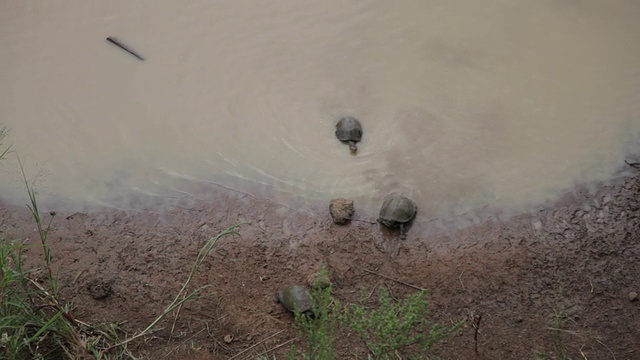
point(557, 332)
point(393, 325)
point(537, 355)
point(30, 326)
point(557, 336)
point(319, 331)
point(42, 231)
point(34, 323)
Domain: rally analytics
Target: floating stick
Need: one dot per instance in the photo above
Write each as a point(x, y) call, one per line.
point(117, 43)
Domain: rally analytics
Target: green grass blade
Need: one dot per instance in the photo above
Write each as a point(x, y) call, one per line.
point(45, 327)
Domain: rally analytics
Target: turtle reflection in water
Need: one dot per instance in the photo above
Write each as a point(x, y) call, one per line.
point(396, 211)
point(296, 298)
point(349, 130)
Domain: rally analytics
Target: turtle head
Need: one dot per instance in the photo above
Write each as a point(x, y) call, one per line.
point(310, 314)
point(352, 146)
point(403, 232)
point(388, 223)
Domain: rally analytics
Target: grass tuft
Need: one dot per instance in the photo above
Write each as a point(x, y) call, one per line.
point(3, 133)
point(385, 328)
point(393, 325)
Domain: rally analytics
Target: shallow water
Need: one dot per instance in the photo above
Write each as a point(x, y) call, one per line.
point(464, 104)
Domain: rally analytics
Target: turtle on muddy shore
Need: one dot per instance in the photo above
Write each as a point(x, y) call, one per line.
point(396, 211)
point(349, 130)
point(296, 298)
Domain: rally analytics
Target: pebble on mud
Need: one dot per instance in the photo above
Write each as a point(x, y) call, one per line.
point(99, 288)
point(633, 296)
point(341, 210)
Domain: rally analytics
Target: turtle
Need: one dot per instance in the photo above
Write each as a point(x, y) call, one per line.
point(396, 211)
point(296, 298)
point(348, 129)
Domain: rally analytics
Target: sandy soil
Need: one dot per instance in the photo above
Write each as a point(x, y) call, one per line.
point(578, 260)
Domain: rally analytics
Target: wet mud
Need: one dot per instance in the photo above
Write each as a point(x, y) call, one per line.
point(576, 261)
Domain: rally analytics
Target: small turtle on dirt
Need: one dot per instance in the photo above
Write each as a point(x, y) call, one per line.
point(348, 129)
point(296, 298)
point(396, 211)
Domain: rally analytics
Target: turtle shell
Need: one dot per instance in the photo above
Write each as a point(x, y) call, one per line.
point(296, 298)
point(349, 129)
point(397, 210)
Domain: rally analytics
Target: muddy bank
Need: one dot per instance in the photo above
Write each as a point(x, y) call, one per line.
point(576, 261)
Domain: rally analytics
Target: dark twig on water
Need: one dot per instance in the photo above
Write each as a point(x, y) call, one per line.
point(632, 164)
point(117, 43)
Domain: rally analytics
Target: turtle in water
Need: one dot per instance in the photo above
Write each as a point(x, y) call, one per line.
point(348, 129)
point(396, 211)
point(296, 299)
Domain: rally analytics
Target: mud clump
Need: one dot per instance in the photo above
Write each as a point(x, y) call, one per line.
point(341, 210)
point(99, 288)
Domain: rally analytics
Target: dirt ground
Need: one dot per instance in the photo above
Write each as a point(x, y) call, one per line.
point(576, 262)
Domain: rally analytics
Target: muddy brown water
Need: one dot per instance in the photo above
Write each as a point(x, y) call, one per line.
point(465, 105)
